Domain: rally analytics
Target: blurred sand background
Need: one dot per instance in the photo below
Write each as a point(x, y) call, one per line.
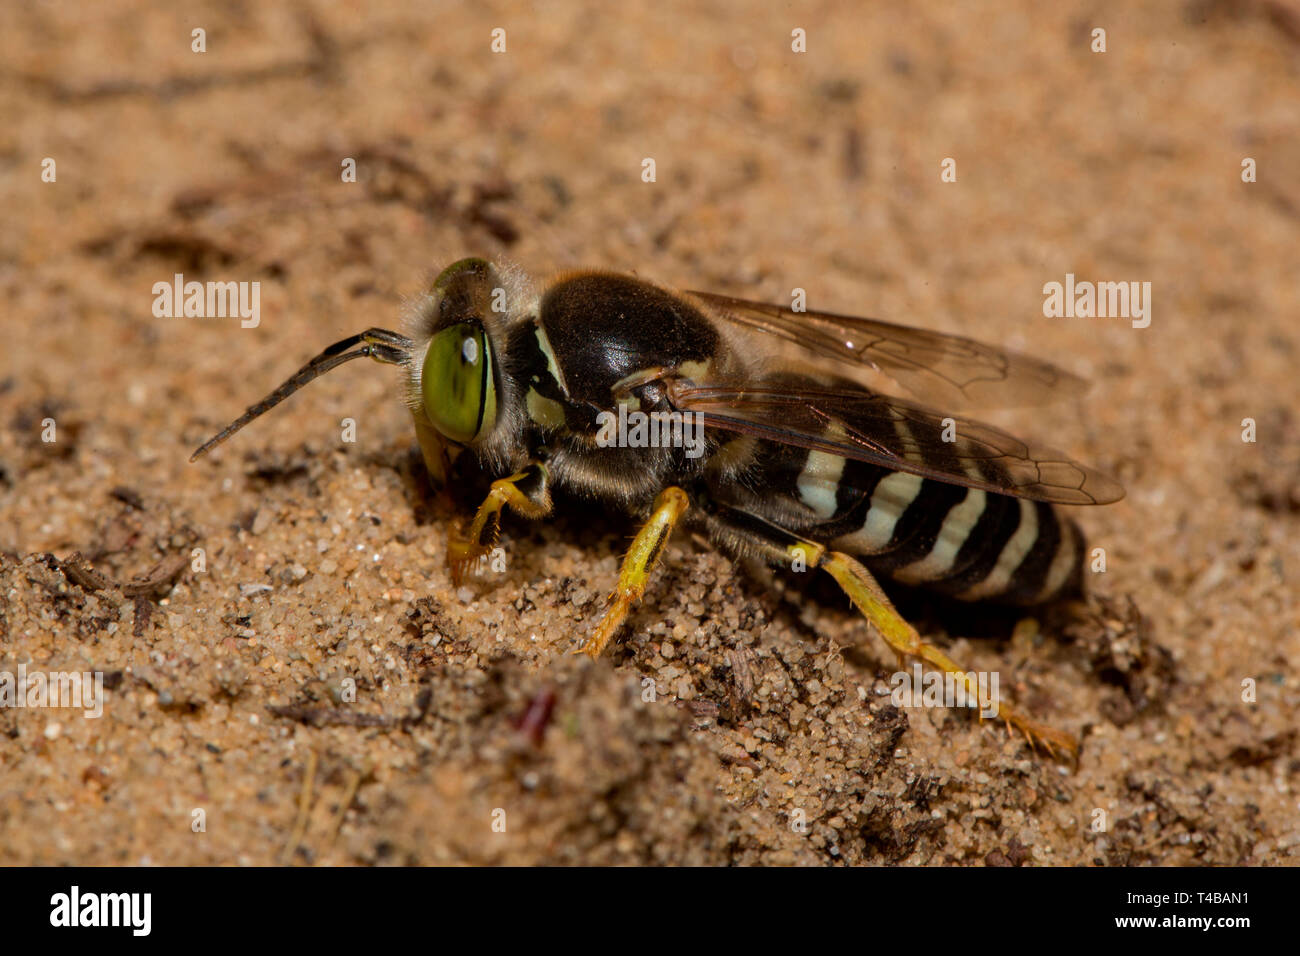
point(775, 170)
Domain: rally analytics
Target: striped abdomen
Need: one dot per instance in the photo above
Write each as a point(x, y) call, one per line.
point(969, 543)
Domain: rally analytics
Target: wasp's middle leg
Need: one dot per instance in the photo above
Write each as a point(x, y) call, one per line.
point(637, 566)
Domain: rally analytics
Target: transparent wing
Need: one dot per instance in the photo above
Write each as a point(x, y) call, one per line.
point(939, 368)
point(897, 434)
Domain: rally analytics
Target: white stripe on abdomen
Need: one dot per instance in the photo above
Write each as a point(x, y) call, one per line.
point(1013, 553)
point(1063, 562)
point(952, 535)
point(888, 502)
point(819, 481)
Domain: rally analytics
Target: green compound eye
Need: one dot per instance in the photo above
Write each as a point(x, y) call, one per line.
point(460, 395)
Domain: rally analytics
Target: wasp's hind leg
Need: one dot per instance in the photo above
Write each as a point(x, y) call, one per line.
point(867, 596)
point(637, 566)
point(526, 491)
point(746, 534)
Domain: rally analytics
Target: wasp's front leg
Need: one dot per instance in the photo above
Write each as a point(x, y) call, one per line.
point(526, 491)
point(637, 566)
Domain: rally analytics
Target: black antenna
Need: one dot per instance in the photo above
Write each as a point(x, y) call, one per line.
point(380, 345)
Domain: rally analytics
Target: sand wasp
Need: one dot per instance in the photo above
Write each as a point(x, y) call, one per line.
point(800, 457)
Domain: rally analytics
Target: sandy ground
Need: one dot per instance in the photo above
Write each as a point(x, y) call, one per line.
point(474, 736)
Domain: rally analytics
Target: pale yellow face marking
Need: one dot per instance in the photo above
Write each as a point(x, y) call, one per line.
point(545, 411)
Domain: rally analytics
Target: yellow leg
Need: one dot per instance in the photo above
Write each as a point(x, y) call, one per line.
point(866, 594)
point(526, 491)
point(640, 561)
